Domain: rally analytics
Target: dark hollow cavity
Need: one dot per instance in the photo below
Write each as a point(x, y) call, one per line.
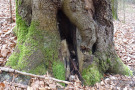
point(68, 31)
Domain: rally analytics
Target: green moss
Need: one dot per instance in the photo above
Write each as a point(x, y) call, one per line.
point(127, 72)
point(104, 61)
point(13, 59)
point(48, 45)
point(58, 70)
point(15, 31)
point(26, 48)
point(120, 68)
point(104, 65)
point(21, 31)
point(91, 74)
point(22, 28)
point(29, 46)
point(40, 69)
point(94, 72)
point(19, 2)
point(32, 41)
point(90, 52)
point(108, 61)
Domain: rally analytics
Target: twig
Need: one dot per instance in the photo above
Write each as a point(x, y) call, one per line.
point(4, 17)
point(75, 67)
point(32, 75)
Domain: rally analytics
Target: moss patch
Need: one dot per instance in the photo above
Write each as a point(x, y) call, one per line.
point(21, 60)
point(38, 49)
point(40, 69)
point(37, 41)
point(58, 70)
point(104, 61)
point(127, 72)
point(21, 31)
point(119, 67)
point(13, 59)
point(91, 74)
point(15, 31)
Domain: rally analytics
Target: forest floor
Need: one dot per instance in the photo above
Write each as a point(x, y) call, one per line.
point(124, 39)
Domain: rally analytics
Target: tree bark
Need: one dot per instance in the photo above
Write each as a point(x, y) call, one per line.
point(66, 37)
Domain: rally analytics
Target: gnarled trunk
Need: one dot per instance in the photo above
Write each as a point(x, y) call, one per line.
point(66, 37)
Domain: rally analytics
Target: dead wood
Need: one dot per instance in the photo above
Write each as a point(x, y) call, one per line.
point(5, 69)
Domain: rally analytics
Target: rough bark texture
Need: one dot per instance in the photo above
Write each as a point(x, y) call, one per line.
point(66, 37)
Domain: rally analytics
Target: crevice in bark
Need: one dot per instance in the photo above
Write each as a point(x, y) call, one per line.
point(68, 31)
point(94, 48)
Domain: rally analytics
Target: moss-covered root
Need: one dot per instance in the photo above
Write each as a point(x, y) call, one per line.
point(28, 49)
point(38, 53)
point(118, 67)
point(91, 74)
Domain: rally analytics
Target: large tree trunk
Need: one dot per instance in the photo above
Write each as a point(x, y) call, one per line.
point(66, 37)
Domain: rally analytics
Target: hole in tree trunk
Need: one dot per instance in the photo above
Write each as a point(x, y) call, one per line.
point(68, 31)
point(94, 48)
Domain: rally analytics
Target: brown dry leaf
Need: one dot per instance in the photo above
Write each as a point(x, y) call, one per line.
point(41, 83)
point(12, 88)
point(43, 89)
point(5, 30)
point(52, 86)
point(1, 32)
point(0, 55)
point(4, 52)
point(17, 88)
point(35, 85)
point(2, 86)
point(30, 88)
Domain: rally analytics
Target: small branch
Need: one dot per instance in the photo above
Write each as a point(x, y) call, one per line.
point(4, 17)
point(32, 75)
point(75, 68)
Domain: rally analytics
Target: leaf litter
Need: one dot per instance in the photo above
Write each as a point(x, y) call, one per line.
point(124, 39)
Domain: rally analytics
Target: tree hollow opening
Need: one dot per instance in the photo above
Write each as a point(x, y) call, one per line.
point(68, 31)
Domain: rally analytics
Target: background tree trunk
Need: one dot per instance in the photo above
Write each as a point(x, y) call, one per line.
point(66, 37)
point(115, 9)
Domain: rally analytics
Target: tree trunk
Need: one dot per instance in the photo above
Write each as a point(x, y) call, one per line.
point(66, 37)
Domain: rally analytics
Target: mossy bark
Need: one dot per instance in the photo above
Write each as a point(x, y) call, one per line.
point(38, 44)
point(38, 39)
